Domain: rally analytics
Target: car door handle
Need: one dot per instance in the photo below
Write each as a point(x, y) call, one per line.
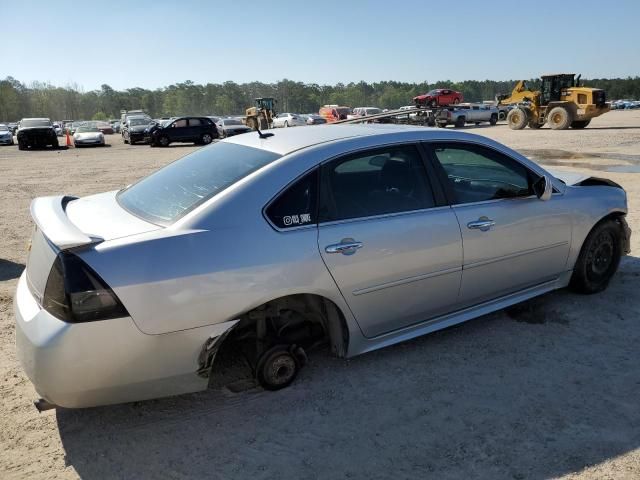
point(483, 224)
point(348, 246)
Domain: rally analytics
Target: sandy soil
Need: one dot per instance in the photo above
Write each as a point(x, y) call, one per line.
point(549, 390)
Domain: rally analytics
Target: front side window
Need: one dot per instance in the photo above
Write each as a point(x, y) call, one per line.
point(297, 205)
point(180, 123)
point(375, 182)
point(477, 174)
point(173, 191)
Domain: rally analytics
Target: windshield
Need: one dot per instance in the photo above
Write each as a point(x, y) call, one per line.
point(35, 122)
point(86, 129)
point(173, 191)
point(434, 92)
point(232, 122)
point(134, 122)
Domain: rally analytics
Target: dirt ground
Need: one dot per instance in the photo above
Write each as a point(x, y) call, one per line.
point(550, 390)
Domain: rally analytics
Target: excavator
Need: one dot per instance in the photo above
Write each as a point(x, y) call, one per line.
point(562, 102)
point(260, 116)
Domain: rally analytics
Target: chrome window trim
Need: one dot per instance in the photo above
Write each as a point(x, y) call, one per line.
point(383, 215)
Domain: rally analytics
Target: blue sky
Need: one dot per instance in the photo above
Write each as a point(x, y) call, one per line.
point(151, 44)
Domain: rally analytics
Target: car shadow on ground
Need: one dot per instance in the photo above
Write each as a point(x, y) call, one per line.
point(540, 391)
point(10, 270)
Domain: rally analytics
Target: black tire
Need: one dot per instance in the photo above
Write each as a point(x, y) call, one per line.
point(206, 138)
point(580, 123)
point(286, 124)
point(494, 119)
point(55, 144)
point(277, 368)
point(502, 115)
point(21, 145)
point(456, 101)
point(599, 258)
point(163, 141)
point(517, 119)
point(125, 139)
point(559, 118)
point(460, 122)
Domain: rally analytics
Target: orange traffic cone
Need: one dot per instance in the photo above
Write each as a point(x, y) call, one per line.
point(68, 139)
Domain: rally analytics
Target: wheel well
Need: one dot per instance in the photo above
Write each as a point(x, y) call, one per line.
point(306, 320)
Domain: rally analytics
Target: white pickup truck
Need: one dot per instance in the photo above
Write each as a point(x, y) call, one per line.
point(463, 113)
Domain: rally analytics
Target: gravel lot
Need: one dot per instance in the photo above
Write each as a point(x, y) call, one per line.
point(549, 390)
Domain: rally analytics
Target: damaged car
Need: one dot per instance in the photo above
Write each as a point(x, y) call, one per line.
point(36, 133)
point(355, 237)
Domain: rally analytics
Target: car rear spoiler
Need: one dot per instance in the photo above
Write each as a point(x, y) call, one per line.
point(49, 215)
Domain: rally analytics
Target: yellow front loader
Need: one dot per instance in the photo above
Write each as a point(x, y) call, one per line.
point(260, 117)
point(561, 103)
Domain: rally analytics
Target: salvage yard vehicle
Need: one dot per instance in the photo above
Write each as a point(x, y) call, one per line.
point(36, 132)
point(6, 135)
point(353, 236)
point(288, 120)
point(228, 127)
point(199, 130)
point(334, 113)
point(562, 102)
point(88, 137)
point(438, 98)
point(133, 130)
point(470, 113)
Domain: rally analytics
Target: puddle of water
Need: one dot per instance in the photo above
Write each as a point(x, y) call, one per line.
point(553, 157)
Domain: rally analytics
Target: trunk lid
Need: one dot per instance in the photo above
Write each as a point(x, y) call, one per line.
point(64, 222)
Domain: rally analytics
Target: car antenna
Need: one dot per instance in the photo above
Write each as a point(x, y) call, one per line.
point(263, 135)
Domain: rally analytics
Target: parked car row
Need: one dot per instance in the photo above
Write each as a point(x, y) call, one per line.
point(625, 104)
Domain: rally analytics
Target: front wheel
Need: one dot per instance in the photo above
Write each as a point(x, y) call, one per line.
point(494, 119)
point(277, 368)
point(460, 121)
point(286, 124)
point(517, 119)
point(456, 101)
point(164, 141)
point(598, 259)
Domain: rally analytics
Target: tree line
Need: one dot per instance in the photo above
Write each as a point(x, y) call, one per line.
point(38, 99)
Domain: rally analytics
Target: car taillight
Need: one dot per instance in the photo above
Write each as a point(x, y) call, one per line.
point(75, 293)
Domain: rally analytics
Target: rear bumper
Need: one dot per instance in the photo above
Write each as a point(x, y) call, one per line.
point(104, 362)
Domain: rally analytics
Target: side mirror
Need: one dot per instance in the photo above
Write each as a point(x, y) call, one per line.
point(543, 188)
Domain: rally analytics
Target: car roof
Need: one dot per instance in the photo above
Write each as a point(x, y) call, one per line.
point(285, 141)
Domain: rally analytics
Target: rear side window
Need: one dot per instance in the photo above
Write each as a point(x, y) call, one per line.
point(194, 122)
point(375, 182)
point(173, 191)
point(297, 205)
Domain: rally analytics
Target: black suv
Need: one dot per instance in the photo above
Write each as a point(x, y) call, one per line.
point(200, 130)
point(36, 132)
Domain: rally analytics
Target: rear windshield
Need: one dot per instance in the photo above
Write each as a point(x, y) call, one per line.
point(35, 123)
point(173, 191)
point(232, 122)
point(134, 122)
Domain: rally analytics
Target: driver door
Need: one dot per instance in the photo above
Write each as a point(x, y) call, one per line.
point(511, 239)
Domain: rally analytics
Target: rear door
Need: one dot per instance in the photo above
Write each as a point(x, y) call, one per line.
point(512, 240)
point(195, 131)
point(393, 248)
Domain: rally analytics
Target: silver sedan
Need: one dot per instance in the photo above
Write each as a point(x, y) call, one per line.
point(352, 236)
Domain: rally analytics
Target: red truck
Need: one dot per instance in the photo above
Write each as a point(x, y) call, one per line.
point(438, 97)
